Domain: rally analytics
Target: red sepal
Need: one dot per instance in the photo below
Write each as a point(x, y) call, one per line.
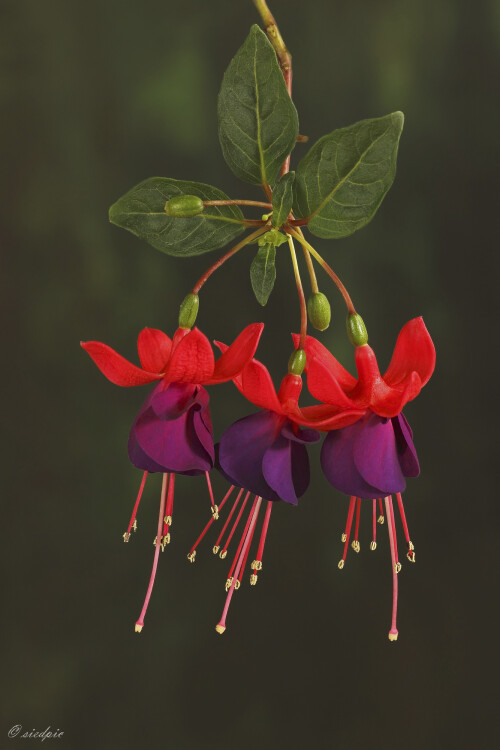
point(257, 386)
point(116, 368)
point(324, 386)
point(315, 350)
point(325, 417)
point(154, 349)
point(192, 360)
point(236, 356)
point(414, 352)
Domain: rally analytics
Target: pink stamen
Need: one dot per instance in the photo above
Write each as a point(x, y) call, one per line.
point(169, 509)
point(133, 522)
point(216, 546)
point(347, 533)
point(215, 509)
point(223, 551)
point(243, 537)
point(192, 553)
point(355, 543)
point(393, 632)
point(221, 625)
point(140, 622)
point(381, 507)
point(248, 550)
point(373, 545)
point(257, 563)
point(411, 550)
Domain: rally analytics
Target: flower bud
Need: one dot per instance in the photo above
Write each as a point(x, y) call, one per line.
point(297, 362)
point(356, 330)
point(319, 311)
point(182, 206)
point(188, 311)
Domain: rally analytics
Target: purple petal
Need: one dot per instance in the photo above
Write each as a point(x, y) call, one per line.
point(408, 458)
point(286, 468)
point(338, 464)
point(376, 457)
point(242, 448)
point(302, 436)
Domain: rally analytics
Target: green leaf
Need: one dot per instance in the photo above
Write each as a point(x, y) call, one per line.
point(282, 199)
point(343, 179)
point(142, 212)
point(258, 123)
point(263, 273)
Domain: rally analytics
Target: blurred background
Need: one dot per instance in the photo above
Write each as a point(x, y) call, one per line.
point(97, 96)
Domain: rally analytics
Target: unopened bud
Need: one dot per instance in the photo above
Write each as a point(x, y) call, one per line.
point(319, 310)
point(356, 330)
point(189, 310)
point(297, 362)
point(182, 206)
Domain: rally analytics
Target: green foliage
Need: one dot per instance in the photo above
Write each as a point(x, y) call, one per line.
point(263, 272)
point(343, 179)
point(142, 212)
point(273, 237)
point(282, 199)
point(258, 123)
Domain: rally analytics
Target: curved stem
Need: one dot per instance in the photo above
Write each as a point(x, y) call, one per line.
point(312, 272)
point(236, 202)
point(297, 233)
point(302, 299)
point(218, 263)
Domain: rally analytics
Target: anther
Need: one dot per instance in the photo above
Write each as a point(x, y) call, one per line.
point(215, 512)
point(134, 525)
point(191, 557)
point(253, 579)
point(168, 520)
point(380, 519)
point(257, 565)
point(373, 546)
point(126, 536)
point(341, 564)
point(223, 554)
point(343, 537)
point(220, 628)
point(397, 567)
point(355, 545)
point(215, 549)
point(228, 583)
point(237, 585)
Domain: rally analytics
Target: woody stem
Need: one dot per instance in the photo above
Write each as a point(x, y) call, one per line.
point(302, 299)
point(297, 233)
point(218, 263)
point(282, 53)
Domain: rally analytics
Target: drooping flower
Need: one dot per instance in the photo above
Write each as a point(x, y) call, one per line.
point(265, 454)
point(372, 457)
point(172, 432)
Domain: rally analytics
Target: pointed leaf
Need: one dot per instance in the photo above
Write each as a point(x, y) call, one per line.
point(345, 176)
point(263, 273)
point(282, 199)
point(142, 212)
point(258, 123)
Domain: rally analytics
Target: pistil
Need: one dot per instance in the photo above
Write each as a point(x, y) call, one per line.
point(393, 632)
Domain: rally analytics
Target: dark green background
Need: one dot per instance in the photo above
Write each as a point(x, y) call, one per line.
point(97, 96)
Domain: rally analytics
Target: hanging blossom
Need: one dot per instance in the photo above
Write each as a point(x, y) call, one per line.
point(172, 432)
point(372, 457)
point(265, 455)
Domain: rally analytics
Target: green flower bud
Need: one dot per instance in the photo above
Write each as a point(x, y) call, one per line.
point(182, 206)
point(356, 330)
point(189, 310)
point(319, 311)
point(297, 362)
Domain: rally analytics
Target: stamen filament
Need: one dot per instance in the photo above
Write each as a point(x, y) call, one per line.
point(411, 550)
point(373, 544)
point(346, 535)
point(215, 509)
point(192, 552)
point(140, 622)
point(381, 507)
point(243, 537)
point(221, 625)
point(133, 523)
point(240, 576)
point(216, 546)
point(223, 551)
point(393, 632)
point(169, 510)
point(355, 543)
point(393, 523)
point(257, 563)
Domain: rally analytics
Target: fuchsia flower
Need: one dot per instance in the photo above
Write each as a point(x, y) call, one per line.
point(371, 458)
point(172, 432)
point(265, 454)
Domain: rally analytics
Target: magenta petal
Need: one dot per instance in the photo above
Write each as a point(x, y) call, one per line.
point(286, 468)
point(408, 458)
point(169, 433)
point(303, 436)
point(338, 464)
point(376, 457)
